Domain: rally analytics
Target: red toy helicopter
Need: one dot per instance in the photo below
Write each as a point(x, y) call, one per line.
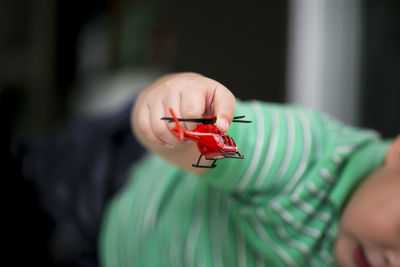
point(211, 142)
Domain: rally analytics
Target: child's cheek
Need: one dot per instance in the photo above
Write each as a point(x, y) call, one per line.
point(374, 214)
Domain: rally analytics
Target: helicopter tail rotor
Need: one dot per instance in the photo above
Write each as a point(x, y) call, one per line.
point(177, 127)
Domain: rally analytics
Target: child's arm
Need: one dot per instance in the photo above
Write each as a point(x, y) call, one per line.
point(190, 95)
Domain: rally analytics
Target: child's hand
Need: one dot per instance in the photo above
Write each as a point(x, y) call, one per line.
point(370, 224)
point(190, 95)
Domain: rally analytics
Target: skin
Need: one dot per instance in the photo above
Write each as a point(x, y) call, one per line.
point(371, 218)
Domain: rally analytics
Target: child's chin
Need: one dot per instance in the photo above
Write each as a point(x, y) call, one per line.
point(360, 258)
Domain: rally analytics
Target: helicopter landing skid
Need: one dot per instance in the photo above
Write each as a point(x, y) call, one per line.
point(197, 165)
point(230, 156)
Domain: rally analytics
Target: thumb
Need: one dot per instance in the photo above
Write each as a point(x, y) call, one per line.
point(224, 107)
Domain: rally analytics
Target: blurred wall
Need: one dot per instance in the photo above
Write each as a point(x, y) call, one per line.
point(27, 67)
point(344, 59)
point(46, 47)
point(56, 53)
point(381, 67)
point(241, 44)
point(324, 56)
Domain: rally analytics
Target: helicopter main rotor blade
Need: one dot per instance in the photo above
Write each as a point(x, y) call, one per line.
point(207, 120)
point(241, 121)
point(236, 119)
point(199, 120)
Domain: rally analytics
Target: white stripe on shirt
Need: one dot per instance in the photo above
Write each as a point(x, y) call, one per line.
point(257, 149)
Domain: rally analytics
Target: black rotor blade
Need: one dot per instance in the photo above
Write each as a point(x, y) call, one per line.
point(199, 120)
point(241, 121)
point(239, 117)
point(236, 119)
point(206, 120)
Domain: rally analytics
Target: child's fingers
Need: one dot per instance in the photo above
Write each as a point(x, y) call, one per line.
point(192, 104)
point(223, 106)
point(159, 127)
point(144, 126)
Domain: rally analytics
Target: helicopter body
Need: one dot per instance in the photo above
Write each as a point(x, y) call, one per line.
point(211, 142)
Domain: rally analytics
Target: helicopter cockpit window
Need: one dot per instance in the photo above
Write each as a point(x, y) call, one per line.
point(233, 142)
point(226, 140)
point(223, 139)
point(229, 140)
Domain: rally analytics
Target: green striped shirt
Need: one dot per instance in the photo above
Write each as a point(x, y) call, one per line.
point(279, 206)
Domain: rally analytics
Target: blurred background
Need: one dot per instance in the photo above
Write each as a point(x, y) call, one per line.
point(63, 61)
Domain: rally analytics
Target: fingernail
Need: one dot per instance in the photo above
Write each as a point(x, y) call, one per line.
point(223, 125)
